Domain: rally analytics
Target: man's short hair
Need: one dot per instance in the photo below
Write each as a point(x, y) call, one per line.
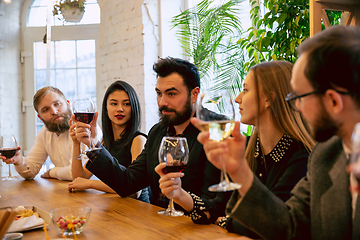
point(334, 59)
point(42, 92)
point(188, 71)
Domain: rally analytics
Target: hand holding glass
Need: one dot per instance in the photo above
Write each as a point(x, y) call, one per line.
point(175, 152)
point(8, 148)
point(84, 111)
point(355, 152)
point(216, 110)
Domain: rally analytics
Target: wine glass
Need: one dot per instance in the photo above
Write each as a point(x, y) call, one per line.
point(175, 152)
point(8, 148)
point(84, 111)
point(216, 110)
point(355, 151)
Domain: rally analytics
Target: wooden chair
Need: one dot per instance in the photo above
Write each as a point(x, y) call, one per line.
point(350, 16)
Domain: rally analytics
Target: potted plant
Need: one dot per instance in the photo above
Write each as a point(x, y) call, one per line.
point(71, 10)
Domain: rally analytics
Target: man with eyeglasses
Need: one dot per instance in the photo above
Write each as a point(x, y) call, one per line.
point(326, 84)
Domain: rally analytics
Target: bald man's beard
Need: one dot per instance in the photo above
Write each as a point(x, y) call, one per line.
point(61, 125)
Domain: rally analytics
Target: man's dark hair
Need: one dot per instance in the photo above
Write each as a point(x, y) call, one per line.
point(188, 71)
point(334, 60)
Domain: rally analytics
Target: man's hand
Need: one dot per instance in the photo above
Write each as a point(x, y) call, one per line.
point(46, 174)
point(16, 160)
point(229, 153)
point(354, 169)
point(170, 183)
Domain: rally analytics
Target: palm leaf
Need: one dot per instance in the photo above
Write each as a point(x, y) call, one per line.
point(204, 33)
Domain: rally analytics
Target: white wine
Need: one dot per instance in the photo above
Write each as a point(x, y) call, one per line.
point(219, 130)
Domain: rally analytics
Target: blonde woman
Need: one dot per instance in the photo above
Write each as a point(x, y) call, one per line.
point(277, 151)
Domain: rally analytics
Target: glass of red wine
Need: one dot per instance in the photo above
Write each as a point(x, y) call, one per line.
point(8, 148)
point(84, 111)
point(175, 152)
point(355, 154)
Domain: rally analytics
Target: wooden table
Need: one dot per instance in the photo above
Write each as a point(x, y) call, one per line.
point(112, 217)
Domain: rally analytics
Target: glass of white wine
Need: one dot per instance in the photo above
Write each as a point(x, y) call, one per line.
point(216, 111)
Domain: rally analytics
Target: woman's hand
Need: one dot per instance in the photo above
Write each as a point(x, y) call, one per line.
point(170, 183)
point(72, 131)
point(79, 183)
point(84, 132)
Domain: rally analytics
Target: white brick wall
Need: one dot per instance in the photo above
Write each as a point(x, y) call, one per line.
point(129, 48)
point(10, 70)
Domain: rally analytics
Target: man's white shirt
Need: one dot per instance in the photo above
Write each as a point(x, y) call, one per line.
point(58, 147)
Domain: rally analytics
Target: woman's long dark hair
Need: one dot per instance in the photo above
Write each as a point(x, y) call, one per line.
point(132, 125)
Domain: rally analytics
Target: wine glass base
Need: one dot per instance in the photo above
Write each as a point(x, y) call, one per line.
point(224, 186)
point(10, 178)
point(171, 213)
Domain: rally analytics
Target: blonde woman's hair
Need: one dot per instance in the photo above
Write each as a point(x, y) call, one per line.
point(274, 79)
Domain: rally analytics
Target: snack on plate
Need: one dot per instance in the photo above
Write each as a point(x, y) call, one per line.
point(24, 213)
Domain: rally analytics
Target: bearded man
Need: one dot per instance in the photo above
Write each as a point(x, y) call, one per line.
point(326, 90)
point(53, 139)
point(177, 88)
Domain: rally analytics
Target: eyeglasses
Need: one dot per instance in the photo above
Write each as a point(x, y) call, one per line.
point(292, 97)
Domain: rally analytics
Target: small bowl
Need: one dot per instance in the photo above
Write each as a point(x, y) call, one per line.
point(70, 220)
point(13, 236)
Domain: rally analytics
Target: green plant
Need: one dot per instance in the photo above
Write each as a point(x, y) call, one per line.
point(333, 16)
point(248, 131)
point(69, 4)
point(276, 35)
point(208, 34)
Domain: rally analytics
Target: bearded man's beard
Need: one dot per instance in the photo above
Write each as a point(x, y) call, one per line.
point(61, 125)
point(179, 117)
point(324, 126)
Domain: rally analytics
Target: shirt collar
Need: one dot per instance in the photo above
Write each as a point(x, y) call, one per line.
point(278, 151)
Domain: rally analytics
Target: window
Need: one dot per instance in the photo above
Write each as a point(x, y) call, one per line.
point(38, 12)
point(72, 68)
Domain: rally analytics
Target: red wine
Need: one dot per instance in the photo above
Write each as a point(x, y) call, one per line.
point(85, 117)
point(8, 152)
point(169, 169)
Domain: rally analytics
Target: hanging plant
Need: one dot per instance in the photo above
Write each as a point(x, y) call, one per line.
point(71, 10)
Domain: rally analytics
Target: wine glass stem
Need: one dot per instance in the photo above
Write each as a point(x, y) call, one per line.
point(224, 176)
point(171, 205)
point(9, 171)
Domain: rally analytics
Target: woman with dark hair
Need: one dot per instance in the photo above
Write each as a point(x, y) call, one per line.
point(277, 150)
point(121, 136)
